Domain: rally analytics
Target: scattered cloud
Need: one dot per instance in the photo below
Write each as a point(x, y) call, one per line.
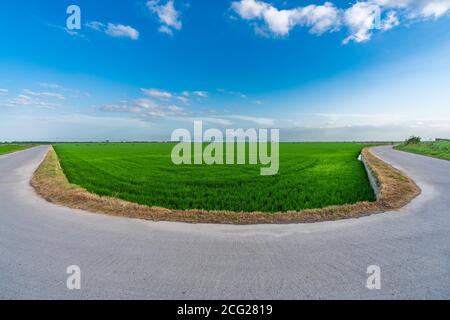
point(145, 108)
point(156, 93)
point(168, 16)
point(23, 100)
point(73, 33)
point(318, 19)
point(436, 8)
point(3, 92)
point(122, 31)
point(201, 94)
point(49, 85)
point(114, 30)
point(72, 93)
point(166, 30)
point(360, 19)
point(44, 94)
point(96, 25)
point(390, 21)
point(162, 105)
point(183, 99)
point(233, 93)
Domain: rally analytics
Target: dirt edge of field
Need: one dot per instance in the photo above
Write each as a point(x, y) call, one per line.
point(395, 191)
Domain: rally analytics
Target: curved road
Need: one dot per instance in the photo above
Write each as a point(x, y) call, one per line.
point(126, 258)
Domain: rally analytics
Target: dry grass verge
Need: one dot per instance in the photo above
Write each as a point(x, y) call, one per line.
point(49, 181)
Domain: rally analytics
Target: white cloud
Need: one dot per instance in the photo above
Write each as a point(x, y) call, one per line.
point(359, 19)
point(390, 21)
point(26, 101)
point(233, 93)
point(96, 25)
point(72, 33)
point(393, 3)
point(174, 108)
point(72, 93)
point(435, 8)
point(250, 9)
point(122, 31)
point(201, 94)
point(44, 94)
point(184, 96)
point(145, 108)
point(114, 30)
point(156, 93)
point(145, 104)
point(50, 85)
point(318, 19)
point(3, 92)
point(168, 16)
point(183, 99)
point(166, 30)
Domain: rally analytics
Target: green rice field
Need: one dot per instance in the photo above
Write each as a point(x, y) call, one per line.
point(311, 175)
point(8, 148)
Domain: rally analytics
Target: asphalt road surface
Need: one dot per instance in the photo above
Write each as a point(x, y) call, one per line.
point(124, 258)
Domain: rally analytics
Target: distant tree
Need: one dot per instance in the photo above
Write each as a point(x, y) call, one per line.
point(413, 140)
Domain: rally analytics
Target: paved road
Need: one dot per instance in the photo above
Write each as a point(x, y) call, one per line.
point(125, 258)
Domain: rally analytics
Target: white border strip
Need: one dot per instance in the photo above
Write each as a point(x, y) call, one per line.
point(373, 181)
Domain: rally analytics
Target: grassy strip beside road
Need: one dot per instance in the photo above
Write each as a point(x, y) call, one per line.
point(396, 190)
point(8, 148)
point(437, 149)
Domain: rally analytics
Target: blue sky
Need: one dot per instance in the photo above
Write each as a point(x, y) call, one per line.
point(136, 70)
